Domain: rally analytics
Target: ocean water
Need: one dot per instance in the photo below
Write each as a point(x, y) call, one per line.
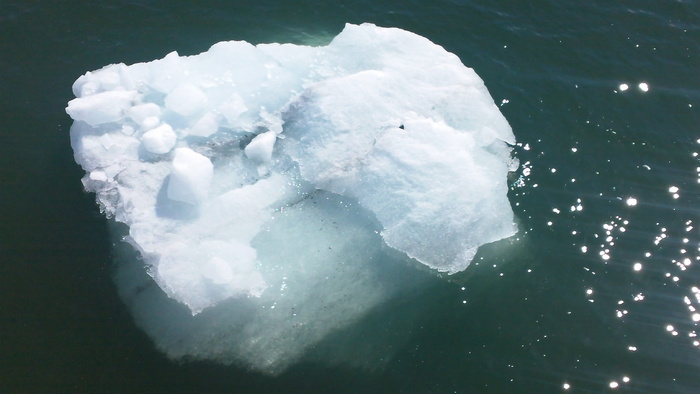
point(600, 291)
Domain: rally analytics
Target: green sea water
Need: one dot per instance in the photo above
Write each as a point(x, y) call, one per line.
point(598, 292)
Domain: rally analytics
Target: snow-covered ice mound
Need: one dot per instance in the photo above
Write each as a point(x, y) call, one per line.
point(276, 175)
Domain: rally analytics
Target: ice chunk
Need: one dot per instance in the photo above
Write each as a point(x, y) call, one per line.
point(279, 191)
point(233, 108)
point(160, 140)
point(171, 72)
point(436, 180)
point(102, 107)
point(260, 148)
point(139, 113)
point(186, 100)
point(190, 176)
point(205, 126)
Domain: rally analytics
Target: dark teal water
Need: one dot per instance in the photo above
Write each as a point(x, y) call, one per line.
point(534, 320)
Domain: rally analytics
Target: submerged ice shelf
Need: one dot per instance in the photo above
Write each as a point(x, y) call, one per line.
point(216, 163)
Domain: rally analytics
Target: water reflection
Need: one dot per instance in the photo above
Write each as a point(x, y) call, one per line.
point(632, 252)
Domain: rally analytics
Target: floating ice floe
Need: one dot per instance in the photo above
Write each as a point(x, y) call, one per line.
point(202, 157)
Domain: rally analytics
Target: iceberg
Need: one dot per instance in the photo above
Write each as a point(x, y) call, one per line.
point(270, 190)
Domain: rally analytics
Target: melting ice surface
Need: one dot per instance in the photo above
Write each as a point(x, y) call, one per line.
point(264, 186)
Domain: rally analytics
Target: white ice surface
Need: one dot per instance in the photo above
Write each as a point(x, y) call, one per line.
point(159, 140)
point(200, 156)
point(190, 176)
point(260, 148)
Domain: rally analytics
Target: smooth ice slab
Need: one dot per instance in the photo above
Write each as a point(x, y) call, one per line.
point(201, 156)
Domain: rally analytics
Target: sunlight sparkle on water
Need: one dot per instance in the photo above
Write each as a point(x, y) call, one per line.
point(674, 191)
point(667, 251)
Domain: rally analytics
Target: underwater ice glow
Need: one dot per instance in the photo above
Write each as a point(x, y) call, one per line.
point(212, 161)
